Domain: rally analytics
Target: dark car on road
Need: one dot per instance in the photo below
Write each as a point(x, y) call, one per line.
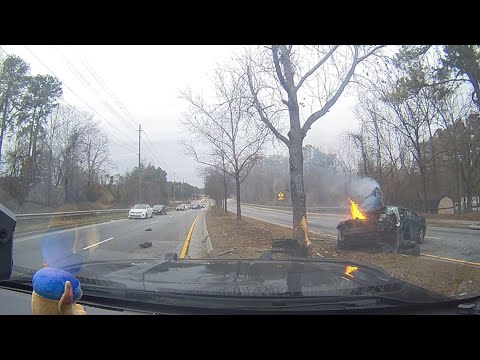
point(159, 210)
point(395, 228)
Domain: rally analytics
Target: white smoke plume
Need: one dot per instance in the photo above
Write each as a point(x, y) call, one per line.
point(360, 188)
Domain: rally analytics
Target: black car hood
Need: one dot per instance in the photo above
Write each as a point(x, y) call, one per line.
point(252, 278)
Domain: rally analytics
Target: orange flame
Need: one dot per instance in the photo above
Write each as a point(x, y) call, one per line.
point(356, 213)
point(349, 269)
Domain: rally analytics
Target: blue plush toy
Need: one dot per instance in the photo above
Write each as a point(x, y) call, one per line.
point(55, 292)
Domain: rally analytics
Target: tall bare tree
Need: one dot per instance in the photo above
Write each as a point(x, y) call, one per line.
point(284, 80)
point(228, 127)
point(96, 152)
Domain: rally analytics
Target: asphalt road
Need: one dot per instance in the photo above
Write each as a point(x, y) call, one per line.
point(114, 240)
point(442, 241)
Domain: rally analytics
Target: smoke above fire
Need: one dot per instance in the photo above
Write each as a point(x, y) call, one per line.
point(360, 188)
point(323, 186)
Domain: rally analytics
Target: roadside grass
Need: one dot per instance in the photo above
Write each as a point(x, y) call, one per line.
point(249, 237)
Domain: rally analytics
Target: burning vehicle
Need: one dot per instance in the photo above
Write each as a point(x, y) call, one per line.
point(376, 225)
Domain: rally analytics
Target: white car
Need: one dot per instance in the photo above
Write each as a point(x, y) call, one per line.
point(140, 211)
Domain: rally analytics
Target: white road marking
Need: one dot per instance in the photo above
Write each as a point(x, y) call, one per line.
point(154, 222)
point(88, 247)
point(433, 237)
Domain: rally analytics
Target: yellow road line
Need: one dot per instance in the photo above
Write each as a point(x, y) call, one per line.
point(453, 260)
point(187, 239)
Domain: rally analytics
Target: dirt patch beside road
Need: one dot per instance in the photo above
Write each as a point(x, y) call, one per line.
point(248, 238)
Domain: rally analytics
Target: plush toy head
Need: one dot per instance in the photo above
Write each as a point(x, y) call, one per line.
point(55, 292)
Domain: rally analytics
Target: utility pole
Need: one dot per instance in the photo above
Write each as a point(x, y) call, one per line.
point(139, 166)
point(173, 187)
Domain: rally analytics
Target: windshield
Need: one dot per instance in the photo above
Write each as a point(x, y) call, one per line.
point(140, 206)
point(251, 154)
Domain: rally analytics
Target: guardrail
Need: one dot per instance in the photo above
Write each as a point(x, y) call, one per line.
point(67, 214)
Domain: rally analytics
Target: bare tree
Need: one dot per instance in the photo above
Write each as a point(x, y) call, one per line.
point(70, 137)
point(95, 148)
point(460, 140)
point(228, 127)
point(359, 140)
point(313, 76)
point(217, 185)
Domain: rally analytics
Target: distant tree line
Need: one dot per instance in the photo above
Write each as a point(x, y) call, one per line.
point(419, 133)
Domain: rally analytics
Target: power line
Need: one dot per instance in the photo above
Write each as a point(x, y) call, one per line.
point(108, 133)
point(73, 92)
point(78, 74)
point(73, 107)
point(85, 82)
point(121, 106)
point(161, 161)
point(139, 163)
point(102, 83)
point(99, 80)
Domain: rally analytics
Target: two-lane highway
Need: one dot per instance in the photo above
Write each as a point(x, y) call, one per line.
point(441, 241)
point(114, 240)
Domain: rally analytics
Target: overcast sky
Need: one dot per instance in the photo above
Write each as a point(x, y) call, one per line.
point(146, 81)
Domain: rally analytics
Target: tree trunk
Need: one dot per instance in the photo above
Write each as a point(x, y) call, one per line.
point(225, 194)
point(1, 143)
point(424, 186)
point(364, 156)
point(49, 178)
point(237, 188)
point(4, 122)
point(31, 131)
point(379, 152)
point(300, 228)
point(469, 195)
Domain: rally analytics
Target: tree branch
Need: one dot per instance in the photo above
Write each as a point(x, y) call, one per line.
point(375, 49)
point(276, 61)
point(312, 70)
point(318, 114)
point(260, 111)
